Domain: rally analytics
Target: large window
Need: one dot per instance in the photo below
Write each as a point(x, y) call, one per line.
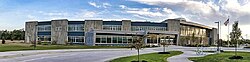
point(44, 27)
point(155, 28)
point(76, 27)
point(113, 39)
point(76, 39)
point(112, 27)
point(189, 31)
point(44, 38)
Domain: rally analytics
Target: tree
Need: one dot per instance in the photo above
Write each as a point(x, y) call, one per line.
point(138, 43)
point(3, 36)
point(164, 44)
point(235, 36)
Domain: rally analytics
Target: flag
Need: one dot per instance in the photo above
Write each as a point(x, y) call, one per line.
point(226, 22)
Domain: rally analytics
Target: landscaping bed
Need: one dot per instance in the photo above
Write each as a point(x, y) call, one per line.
point(223, 57)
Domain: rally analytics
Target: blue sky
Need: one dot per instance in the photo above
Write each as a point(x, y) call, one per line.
point(14, 13)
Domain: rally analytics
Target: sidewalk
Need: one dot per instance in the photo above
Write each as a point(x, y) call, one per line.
point(184, 57)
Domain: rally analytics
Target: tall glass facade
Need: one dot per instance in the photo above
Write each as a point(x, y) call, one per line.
point(193, 35)
point(189, 31)
point(154, 28)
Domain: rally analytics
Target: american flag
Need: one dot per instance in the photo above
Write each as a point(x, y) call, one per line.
point(226, 22)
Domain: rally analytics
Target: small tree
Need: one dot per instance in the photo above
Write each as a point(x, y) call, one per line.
point(3, 36)
point(235, 36)
point(164, 44)
point(138, 44)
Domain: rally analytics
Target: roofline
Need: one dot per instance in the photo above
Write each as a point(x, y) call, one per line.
point(195, 24)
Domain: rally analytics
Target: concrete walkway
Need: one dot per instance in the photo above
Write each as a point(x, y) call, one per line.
point(190, 52)
point(184, 57)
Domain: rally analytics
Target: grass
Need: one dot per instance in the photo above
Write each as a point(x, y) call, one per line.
point(222, 57)
point(151, 57)
point(19, 47)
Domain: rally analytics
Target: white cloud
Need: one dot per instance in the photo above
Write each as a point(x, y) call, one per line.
point(103, 5)
point(122, 6)
point(94, 4)
point(206, 12)
point(106, 5)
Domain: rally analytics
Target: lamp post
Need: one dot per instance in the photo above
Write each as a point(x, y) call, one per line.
point(218, 37)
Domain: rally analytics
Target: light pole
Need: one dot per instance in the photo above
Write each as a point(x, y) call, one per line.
point(218, 37)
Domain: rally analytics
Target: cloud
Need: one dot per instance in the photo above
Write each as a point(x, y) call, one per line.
point(106, 5)
point(103, 5)
point(94, 4)
point(154, 14)
point(206, 11)
point(122, 6)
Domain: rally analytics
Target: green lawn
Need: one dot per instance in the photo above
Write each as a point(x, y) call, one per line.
point(151, 57)
point(222, 57)
point(18, 47)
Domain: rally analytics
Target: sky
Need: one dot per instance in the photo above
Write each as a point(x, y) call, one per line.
point(14, 13)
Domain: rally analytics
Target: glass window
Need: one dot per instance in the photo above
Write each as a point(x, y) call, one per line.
point(98, 40)
point(108, 39)
point(76, 39)
point(114, 40)
point(103, 39)
point(44, 28)
point(44, 38)
point(112, 27)
point(76, 27)
point(119, 39)
point(124, 40)
point(139, 28)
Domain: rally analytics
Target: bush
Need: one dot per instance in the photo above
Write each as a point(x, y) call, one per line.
point(164, 53)
point(140, 61)
point(39, 42)
point(236, 57)
point(3, 41)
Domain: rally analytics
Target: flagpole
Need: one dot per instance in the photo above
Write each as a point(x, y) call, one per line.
point(228, 44)
point(228, 35)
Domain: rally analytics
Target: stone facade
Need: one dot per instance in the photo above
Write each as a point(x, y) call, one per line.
point(89, 26)
point(59, 31)
point(126, 25)
point(95, 24)
point(174, 25)
point(30, 31)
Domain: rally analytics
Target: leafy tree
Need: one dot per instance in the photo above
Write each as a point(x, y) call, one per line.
point(138, 43)
point(235, 35)
point(3, 36)
point(164, 44)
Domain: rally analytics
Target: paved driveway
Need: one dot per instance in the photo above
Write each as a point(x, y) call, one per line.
point(91, 55)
